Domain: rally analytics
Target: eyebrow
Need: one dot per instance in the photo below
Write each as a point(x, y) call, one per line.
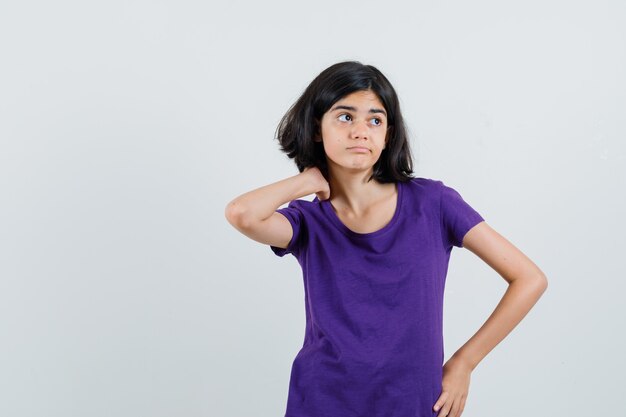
point(351, 108)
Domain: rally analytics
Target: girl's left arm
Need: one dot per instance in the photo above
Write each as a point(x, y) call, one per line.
point(526, 282)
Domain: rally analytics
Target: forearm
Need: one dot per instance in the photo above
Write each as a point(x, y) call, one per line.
point(520, 296)
point(259, 204)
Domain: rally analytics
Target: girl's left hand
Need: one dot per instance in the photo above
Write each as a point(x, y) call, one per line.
point(455, 386)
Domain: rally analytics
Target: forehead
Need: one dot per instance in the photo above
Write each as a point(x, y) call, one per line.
point(360, 101)
point(366, 97)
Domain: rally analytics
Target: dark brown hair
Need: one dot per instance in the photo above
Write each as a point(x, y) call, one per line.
point(301, 123)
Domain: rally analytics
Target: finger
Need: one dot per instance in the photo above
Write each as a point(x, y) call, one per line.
point(445, 407)
point(454, 410)
point(441, 401)
point(462, 405)
point(445, 410)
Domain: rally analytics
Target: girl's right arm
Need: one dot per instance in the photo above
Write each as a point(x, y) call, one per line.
point(254, 213)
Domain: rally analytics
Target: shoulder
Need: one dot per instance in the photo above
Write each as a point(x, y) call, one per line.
point(302, 206)
point(424, 187)
point(434, 185)
point(422, 182)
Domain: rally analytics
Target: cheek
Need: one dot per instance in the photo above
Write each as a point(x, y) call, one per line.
point(331, 135)
point(326, 132)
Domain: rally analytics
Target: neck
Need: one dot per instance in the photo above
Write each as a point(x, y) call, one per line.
point(351, 191)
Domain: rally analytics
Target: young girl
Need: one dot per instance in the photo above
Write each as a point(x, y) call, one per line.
point(374, 246)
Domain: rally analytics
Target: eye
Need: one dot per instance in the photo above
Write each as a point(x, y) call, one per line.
point(378, 120)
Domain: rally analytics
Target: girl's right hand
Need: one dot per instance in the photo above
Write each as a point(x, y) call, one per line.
point(320, 184)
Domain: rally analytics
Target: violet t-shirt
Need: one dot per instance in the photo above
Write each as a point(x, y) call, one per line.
point(373, 344)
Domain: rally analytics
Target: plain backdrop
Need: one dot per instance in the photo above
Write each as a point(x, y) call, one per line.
point(127, 126)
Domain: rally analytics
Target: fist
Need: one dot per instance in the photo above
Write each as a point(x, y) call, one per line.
point(321, 188)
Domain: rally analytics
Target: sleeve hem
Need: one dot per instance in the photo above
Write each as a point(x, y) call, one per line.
point(289, 249)
point(475, 220)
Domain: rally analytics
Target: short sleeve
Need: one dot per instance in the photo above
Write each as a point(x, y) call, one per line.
point(294, 214)
point(457, 216)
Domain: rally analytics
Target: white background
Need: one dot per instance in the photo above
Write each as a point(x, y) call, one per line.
point(127, 126)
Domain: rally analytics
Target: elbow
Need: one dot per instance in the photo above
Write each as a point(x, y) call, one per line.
point(540, 284)
point(534, 283)
point(539, 281)
point(235, 214)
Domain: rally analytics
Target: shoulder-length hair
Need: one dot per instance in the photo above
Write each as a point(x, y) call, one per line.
point(302, 122)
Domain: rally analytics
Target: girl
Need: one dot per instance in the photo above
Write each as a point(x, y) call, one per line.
point(374, 246)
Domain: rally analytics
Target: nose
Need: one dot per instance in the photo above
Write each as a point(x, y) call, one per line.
point(360, 129)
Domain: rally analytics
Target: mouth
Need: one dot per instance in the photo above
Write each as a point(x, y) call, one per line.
point(359, 149)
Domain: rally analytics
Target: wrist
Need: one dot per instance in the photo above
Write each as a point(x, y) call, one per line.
point(309, 182)
point(464, 359)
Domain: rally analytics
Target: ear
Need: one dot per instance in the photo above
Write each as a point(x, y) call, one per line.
point(317, 137)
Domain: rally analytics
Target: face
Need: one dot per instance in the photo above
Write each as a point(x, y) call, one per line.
point(354, 131)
